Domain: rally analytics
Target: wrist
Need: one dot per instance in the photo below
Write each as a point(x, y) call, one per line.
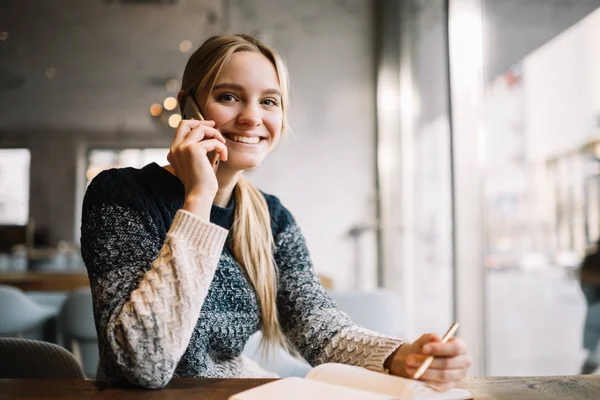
point(396, 362)
point(387, 364)
point(199, 205)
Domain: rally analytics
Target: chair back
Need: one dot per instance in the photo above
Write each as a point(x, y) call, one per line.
point(32, 359)
point(281, 363)
point(377, 310)
point(77, 327)
point(76, 317)
point(19, 313)
point(591, 328)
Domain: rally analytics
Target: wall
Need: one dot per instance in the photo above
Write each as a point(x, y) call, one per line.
point(324, 172)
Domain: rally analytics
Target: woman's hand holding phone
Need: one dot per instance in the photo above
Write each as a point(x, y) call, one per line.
point(188, 156)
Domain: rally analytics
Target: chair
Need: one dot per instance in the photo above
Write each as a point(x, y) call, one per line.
point(77, 327)
point(54, 300)
point(19, 313)
point(378, 310)
point(32, 359)
point(591, 339)
point(282, 363)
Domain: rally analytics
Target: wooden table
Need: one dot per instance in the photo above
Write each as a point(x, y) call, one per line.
point(45, 281)
point(574, 387)
point(484, 388)
point(180, 389)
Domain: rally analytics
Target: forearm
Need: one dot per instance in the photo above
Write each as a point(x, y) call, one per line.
point(312, 321)
point(355, 345)
point(151, 331)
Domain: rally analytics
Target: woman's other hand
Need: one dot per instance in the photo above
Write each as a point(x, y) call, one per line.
point(450, 363)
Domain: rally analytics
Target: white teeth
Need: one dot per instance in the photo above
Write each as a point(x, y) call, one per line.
point(243, 139)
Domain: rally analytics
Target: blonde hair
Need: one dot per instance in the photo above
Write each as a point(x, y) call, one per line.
point(253, 242)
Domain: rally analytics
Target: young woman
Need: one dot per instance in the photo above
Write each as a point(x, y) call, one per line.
point(185, 264)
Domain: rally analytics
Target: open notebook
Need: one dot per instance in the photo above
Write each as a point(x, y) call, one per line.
point(340, 381)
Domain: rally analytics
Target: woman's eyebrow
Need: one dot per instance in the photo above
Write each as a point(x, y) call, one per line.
point(235, 86)
point(226, 85)
point(275, 92)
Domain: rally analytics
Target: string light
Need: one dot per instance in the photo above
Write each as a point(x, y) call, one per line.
point(174, 120)
point(185, 46)
point(170, 103)
point(50, 72)
point(156, 109)
point(172, 85)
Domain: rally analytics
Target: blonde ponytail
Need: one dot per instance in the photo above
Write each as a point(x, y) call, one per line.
point(253, 249)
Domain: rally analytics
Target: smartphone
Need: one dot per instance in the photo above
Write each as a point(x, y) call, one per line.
point(191, 111)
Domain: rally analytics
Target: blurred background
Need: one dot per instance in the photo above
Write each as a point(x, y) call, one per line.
point(445, 153)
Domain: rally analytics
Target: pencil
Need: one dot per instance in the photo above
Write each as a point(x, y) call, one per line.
point(429, 359)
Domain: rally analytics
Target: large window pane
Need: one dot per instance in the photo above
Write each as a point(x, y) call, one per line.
point(540, 181)
point(14, 186)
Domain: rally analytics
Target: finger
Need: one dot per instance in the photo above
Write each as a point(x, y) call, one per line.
point(449, 349)
point(202, 133)
point(211, 132)
point(214, 145)
point(427, 338)
point(458, 362)
point(439, 375)
point(462, 361)
point(185, 126)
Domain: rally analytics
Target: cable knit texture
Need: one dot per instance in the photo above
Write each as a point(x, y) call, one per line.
point(171, 301)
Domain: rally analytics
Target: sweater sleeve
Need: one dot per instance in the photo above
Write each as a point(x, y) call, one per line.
point(147, 291)
point(311, 320)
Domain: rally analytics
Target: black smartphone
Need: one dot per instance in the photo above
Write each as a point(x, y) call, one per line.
point(191, 111)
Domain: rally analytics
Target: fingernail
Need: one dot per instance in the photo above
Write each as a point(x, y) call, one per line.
point(427, 349)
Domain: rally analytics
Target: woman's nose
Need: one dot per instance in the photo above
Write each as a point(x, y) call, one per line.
point(250, 116)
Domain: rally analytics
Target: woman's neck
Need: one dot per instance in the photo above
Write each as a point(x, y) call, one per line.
point(227, 180)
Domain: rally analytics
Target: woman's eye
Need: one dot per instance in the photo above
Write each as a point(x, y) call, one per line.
point(226, 97)
point(270, 102)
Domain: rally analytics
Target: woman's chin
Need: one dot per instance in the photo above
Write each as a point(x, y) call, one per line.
point(242, 164)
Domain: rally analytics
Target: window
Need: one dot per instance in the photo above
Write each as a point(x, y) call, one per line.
point(14, 186)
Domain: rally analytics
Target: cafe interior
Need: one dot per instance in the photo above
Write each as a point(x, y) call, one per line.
point(443, 163)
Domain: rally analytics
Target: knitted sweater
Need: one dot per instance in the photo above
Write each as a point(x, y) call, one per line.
point(170, 300)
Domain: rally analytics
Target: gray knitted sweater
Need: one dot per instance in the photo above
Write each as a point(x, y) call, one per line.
point(171, 301)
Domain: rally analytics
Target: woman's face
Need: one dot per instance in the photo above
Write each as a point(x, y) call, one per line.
point(246, 107)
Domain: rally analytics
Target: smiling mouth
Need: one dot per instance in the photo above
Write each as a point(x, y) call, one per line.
point(244, 139)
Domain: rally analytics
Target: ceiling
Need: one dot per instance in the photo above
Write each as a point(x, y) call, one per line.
point(515, 28)
point(111, 60)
